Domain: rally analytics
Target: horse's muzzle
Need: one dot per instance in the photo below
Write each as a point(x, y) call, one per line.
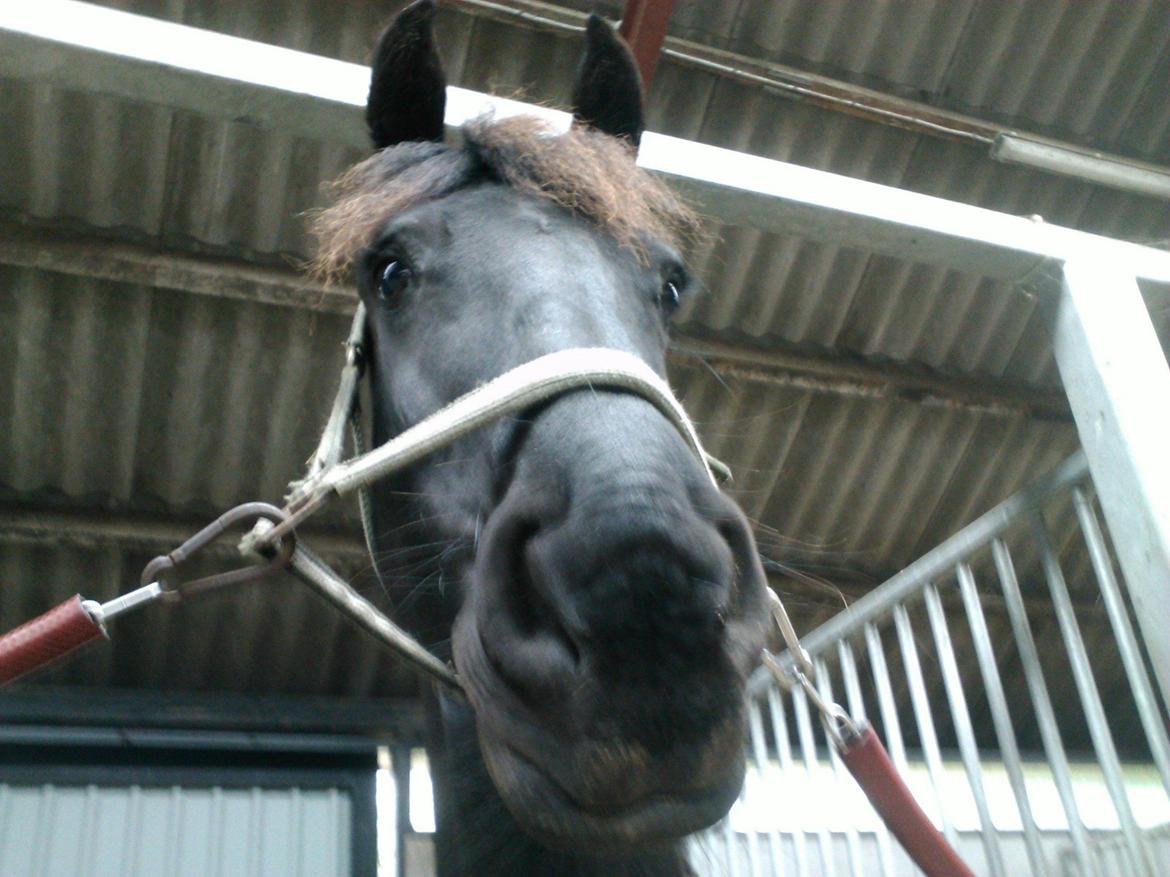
point(604, 643)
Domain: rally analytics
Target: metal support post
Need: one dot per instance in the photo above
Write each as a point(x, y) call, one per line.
point(644, 28)
point(1118, 386)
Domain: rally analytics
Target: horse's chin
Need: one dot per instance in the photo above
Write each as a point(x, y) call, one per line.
point(548, 813)
point(575, 782)
point(541, 776)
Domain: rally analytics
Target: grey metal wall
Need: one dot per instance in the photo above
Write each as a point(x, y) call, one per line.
point(101, 831)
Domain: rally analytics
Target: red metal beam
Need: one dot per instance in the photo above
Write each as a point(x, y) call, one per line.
point(644, 28)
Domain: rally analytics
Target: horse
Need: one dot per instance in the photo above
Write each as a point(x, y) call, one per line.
point(601, 599)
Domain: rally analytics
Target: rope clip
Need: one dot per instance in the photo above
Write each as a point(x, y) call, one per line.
point(838, 724)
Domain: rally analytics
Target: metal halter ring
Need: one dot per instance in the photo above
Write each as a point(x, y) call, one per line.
point(162, 568)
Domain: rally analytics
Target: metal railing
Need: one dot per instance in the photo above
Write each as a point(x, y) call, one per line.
point(983, 691)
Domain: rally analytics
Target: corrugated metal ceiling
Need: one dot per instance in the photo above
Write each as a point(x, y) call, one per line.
point(119, 398)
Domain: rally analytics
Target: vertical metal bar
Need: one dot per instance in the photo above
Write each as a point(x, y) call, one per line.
point(400, 763)
point(857, 710)
point(6, 807)
point(888, 710)
point(215, 847)
point(1090, 697)
point(885, 849)
point(852, 841)
point(787, 768)
point(924, 718)
point(1041, 703)
point(760, 753)
point(852, 682)
point(256, 833)
point(759, 756)
point(698, 851)
point(1117, 381)
point(1001, 717)
point(808, 748)
point(968, 750)
point(174, 830)
point(41, 837)
point(1131, 658)
point(133, 840)
point(339, 828)
point(730, 848)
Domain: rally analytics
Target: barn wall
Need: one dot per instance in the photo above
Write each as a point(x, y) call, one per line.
point(139, 802)
point(72, 830)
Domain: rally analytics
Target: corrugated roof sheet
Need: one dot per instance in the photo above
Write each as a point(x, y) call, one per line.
point(118, 397)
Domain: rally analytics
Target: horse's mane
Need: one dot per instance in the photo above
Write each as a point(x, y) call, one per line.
point(589, 173)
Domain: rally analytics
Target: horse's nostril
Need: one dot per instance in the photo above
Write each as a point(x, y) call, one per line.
point(534, 615)
point(528, 645)
point(529, 610)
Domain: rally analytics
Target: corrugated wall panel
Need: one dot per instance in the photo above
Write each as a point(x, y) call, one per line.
point(861, 482)
point(95, 831)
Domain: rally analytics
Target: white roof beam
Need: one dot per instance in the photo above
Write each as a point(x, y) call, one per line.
point(94, 49)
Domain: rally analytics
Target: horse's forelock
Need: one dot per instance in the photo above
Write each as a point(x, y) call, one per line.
point(587, 172)
point(374, 190)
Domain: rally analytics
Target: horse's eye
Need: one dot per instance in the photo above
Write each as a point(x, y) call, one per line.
point(670, 295)
point(392, 277)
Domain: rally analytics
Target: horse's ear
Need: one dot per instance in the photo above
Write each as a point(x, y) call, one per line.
point(408, 90)
point(608, 92)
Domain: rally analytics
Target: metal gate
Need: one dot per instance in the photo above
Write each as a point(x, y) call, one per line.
point(1032, 563)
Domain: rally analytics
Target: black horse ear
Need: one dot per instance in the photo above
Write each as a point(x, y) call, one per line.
point(608, 92)
point(408, 90)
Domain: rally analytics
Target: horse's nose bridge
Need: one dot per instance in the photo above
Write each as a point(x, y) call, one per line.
point(633, 491)
point(570, 296)
point(584, 318)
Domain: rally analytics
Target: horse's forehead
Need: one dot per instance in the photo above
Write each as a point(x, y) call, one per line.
point(505, 205)
point(494, 215)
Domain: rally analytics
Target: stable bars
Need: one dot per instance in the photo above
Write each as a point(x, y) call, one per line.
point(921, 662)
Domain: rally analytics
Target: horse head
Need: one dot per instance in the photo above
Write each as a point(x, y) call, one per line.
point(601, 598)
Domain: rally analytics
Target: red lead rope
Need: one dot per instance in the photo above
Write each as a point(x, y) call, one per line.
point(870, 764)
point(46, 638)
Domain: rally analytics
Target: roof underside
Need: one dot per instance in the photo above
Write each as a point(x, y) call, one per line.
point(131, 412)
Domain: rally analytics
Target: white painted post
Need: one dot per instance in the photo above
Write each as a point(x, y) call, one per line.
point(1118, 386)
